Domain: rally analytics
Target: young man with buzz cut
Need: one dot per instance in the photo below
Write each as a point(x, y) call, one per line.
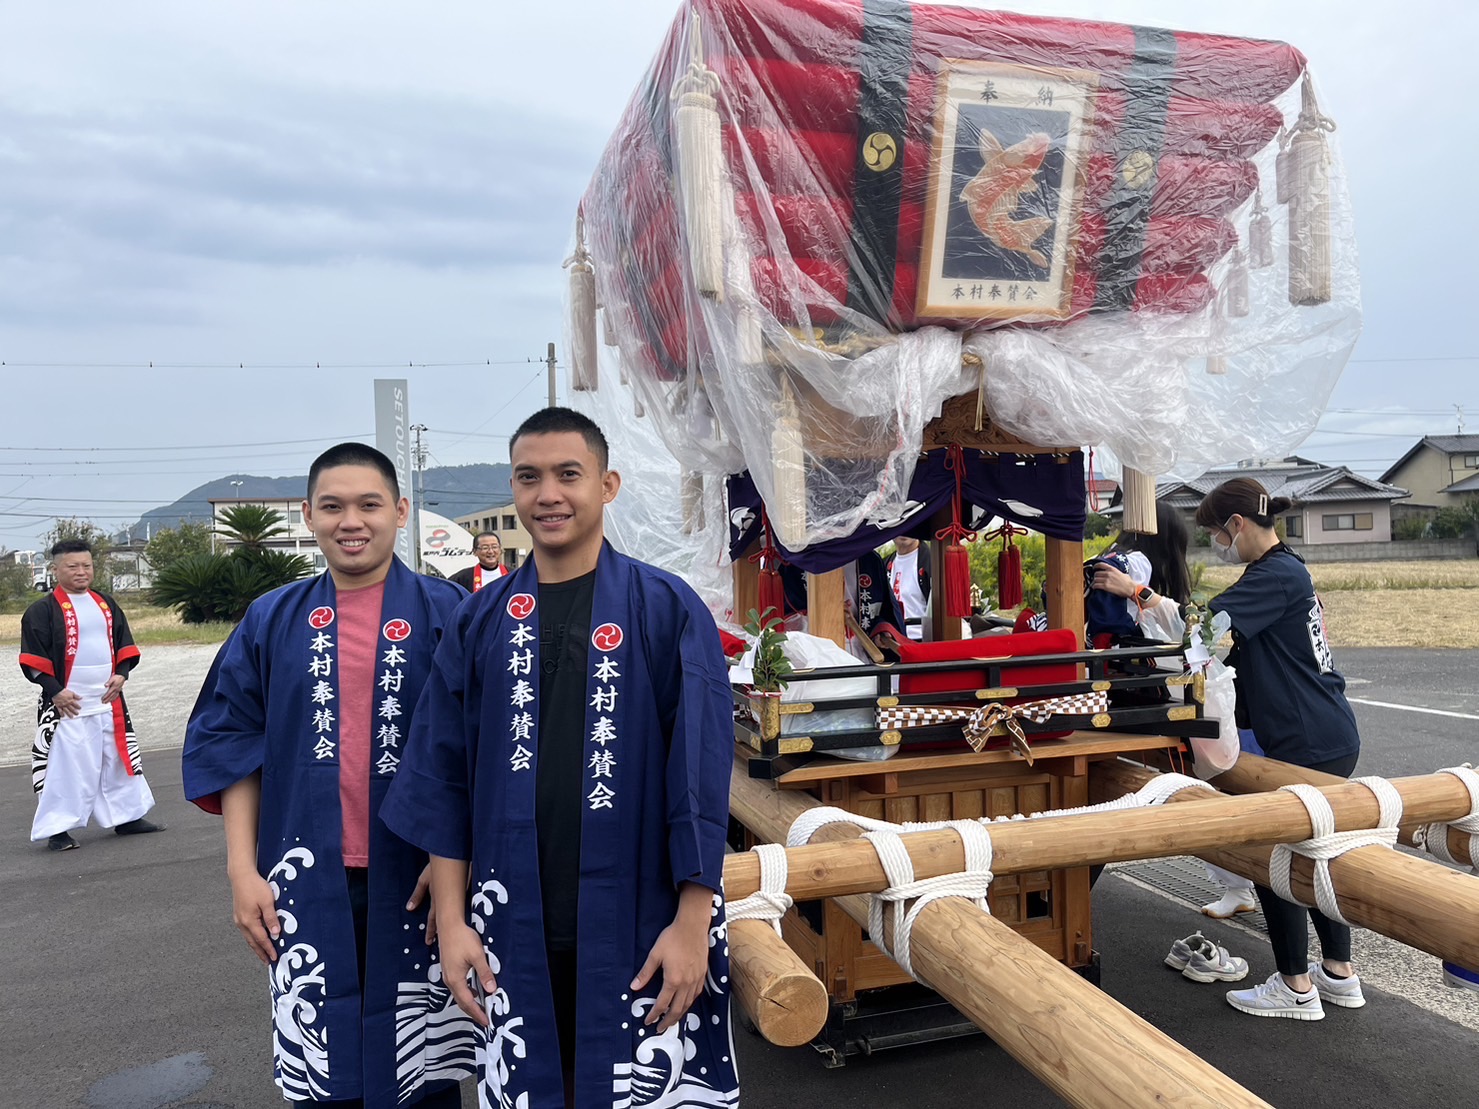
point(295, 739)
point(568, 772)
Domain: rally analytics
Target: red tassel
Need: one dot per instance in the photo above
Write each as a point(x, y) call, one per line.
point(772, 593)
point(957, 582)
point(957, 558)
point(772, 588)
point(1009, 576)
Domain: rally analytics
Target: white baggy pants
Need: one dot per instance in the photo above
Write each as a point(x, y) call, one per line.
point(85, 777)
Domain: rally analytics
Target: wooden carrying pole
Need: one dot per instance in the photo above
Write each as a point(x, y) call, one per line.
point(784, 1000)
point(1085, 1046)
point(1421, 903)
point(1086, 839)
point(1256, 774)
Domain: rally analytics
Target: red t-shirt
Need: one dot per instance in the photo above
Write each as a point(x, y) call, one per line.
point(359, 635)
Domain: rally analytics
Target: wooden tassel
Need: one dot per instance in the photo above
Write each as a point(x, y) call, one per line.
point(1260, 235)
point(788, 471)
point(1216, 365)
point(956, 558)
point(1009, 575)
point(583, 374)
point(608, 328)
point(1236, 301)
point(701, 167)
point(1139, 502)
point(693, 501)
point(1309, 203)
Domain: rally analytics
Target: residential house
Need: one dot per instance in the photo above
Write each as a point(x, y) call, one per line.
point(1440, 470)
point(1332, 504)
point(297, 539)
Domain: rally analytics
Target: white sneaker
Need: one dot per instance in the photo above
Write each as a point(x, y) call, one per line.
point(1459, 978)
point(1274, 998)
point(1210, 963)
point(1180, 953)
point(1345, 992)
point(1231, 903)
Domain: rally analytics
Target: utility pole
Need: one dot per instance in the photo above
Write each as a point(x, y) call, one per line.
point(550, 362)
point(418, 459)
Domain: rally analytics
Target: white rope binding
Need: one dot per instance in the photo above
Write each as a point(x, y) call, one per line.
point(974, 882)
point(771, 901)
point(1435, 836)
point(1327, 843)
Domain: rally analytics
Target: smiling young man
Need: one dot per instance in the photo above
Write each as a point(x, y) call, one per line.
point(568, 772)
point(295, 740)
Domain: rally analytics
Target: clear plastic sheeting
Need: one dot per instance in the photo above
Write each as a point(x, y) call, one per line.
point(819, 220)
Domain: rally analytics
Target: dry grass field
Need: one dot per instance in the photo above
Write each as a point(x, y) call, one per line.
point(1367, 604)
point(1389, 604)
point(151, 627)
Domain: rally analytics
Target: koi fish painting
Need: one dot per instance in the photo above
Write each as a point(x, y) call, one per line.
point(1010, 145)
point(993, 194)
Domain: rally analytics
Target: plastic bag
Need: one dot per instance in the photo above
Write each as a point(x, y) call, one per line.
point(810, 652)
point(1213, 756)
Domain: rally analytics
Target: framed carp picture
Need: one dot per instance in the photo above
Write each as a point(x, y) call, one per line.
point(1005, 189)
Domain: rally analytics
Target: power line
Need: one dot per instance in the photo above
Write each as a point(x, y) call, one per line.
point(152, 365)
point(196, 447)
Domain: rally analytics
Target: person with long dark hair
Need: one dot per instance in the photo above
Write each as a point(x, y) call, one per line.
point(1292, 696)
point(1156, 590)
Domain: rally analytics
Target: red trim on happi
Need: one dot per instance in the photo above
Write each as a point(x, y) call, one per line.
point(36, 662)
point(126, 653)
point(120, 736)
point(69, 622)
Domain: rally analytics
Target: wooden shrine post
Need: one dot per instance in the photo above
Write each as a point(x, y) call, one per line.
point(1065, 584)
point(746, 578)
point(824, 614)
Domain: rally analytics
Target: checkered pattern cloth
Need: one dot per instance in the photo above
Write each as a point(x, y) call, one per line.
point(979, 724)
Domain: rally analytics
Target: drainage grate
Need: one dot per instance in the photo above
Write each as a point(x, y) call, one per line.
point(1185, 878)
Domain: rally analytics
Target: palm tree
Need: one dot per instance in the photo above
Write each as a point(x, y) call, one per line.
point(251, 525)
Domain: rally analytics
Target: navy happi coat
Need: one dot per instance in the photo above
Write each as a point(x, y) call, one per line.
point(655, 804)
point(271, 703)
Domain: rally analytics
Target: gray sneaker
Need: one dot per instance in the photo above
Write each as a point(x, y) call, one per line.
point(1210, 963)
point(1345, 992)
point(1274, 998)
point(1180, 953)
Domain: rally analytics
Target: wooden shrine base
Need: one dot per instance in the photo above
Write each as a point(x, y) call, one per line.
point(1050, 907)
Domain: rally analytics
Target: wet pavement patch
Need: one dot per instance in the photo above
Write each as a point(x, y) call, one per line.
point(152, 1086)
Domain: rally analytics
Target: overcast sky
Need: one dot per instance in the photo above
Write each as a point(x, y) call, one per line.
point(365, 185)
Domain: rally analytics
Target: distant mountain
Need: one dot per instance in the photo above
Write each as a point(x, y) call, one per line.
point(450, 490)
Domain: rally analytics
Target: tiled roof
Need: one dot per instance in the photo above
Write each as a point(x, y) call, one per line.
point(1303, 482)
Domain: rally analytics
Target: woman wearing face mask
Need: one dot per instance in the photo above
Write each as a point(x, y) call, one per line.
point(1293, 698)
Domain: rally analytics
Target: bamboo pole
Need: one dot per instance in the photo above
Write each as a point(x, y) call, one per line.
point(1256, 774)
point(1423, 904)
point(1085, 1046)
point(782, 998)
point(1070, 841)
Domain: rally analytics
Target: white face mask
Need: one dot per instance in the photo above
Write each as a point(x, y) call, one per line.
point(1229, 552)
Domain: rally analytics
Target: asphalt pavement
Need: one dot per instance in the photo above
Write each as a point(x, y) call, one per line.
point(126, 986)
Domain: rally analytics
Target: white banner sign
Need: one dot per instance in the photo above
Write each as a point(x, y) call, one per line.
point(445, 545)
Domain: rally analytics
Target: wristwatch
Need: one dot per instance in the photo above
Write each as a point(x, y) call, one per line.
point(1143, 595)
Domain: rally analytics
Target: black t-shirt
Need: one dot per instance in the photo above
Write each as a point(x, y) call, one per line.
point(564, 630)
point(1289, 691)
